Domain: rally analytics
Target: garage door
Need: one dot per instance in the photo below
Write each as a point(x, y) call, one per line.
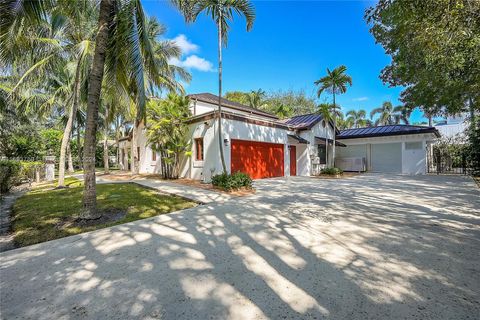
point(387, 157)
point(258, 159)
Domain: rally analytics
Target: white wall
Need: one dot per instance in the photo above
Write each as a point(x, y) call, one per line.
point(412, 161)
point(234, 129)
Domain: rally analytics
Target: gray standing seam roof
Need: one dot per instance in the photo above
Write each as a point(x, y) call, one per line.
point(303, 121)
point(388, 130)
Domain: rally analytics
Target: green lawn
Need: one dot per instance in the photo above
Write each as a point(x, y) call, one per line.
point(44, 214)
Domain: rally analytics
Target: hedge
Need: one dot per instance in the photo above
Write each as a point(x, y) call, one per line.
point(13, 172)
point(331, 171)
point(231, 182)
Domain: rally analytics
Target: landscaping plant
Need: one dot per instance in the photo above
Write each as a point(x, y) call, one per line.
point(331, 171)
point(230, 182)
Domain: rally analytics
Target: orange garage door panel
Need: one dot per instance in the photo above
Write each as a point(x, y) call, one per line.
point(258, 159)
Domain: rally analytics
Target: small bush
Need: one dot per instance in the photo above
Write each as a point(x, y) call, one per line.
point(232, 182)
point(9, 174)
point(332, 171)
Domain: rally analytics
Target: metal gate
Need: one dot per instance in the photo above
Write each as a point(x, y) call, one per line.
point(442, 159)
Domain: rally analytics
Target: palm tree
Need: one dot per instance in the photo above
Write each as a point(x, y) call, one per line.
point(402, 113)
point(222, 12)
point(386, 114)
point(67, 42)
point(283, 111)
point(335, 82)
point(357, 118)
point(255, 98)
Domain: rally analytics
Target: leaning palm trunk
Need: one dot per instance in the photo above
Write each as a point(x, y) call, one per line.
point(106, 167)
point(220, 140)
point(70, 160)
point(68, 128)
point(89, 210)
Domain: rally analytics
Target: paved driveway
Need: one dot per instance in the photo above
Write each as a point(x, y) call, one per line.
point(370, 247)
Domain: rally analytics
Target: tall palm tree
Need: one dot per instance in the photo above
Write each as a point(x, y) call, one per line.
point(222, 12)
point(335, 82)
point(357, 118)
point(69, 39)
point(386, 114)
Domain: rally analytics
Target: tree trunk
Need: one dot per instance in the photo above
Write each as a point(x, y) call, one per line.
point(334, 126)
point(220, 140)
point(68, 128)
point(134, 153)
point(89, 210)
point(105, 144)
point(79, 147)
point(70, 160)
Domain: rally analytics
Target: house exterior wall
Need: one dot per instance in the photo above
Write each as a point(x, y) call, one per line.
point(411, 162)
point(310, 161)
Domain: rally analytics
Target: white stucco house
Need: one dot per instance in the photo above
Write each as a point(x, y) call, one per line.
point(262, 145)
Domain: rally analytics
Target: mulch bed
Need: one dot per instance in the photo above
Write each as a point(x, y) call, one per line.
point(108, 215)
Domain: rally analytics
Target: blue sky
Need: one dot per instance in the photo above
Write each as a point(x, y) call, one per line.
point(290, 46)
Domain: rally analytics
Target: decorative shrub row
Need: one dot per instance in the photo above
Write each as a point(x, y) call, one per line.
point(231, 182)
point(13, 172)
point(332, 171)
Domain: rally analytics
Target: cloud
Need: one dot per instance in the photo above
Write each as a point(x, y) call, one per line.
point(190, 61)
point(193, 62)
point(360, 99)
point(184, 44)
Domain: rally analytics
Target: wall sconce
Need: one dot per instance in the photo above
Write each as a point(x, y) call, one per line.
point(225, 142)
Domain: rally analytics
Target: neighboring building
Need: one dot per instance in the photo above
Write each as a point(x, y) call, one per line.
point(452, 127)
point(262, 145)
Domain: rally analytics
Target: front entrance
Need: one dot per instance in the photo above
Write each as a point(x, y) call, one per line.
point(257, 159)
point(293, 160)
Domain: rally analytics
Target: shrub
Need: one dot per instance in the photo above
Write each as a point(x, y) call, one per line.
point(232, 182)
point(331, 171)
point(9, 174)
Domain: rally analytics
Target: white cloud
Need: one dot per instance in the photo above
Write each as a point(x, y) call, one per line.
point(185, 45)
point(360, 99)
point(193, 62)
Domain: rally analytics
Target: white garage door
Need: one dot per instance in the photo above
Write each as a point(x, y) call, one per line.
point(387, 157)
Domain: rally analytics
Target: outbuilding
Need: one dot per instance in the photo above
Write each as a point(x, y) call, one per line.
point(388, 149)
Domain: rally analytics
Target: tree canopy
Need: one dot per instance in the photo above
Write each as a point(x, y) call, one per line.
point(435, 51)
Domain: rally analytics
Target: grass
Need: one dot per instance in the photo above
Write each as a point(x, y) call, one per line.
point(40, 215)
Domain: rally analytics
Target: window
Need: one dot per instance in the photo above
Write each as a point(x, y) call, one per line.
point(413, 145)
point(322, 154)
point(199, 149)
point(154, 155)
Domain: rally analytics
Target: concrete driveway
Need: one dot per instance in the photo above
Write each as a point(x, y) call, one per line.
point(368, 247)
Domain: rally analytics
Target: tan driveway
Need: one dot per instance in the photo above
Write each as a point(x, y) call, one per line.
point(368, 247)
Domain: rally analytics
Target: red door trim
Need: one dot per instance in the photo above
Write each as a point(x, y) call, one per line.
point(293, 160)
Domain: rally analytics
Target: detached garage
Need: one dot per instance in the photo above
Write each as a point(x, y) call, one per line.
point(388, 149)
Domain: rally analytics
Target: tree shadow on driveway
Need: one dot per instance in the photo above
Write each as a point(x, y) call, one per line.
point(368, 247)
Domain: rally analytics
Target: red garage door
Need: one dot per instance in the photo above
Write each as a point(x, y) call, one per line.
point(258, 159)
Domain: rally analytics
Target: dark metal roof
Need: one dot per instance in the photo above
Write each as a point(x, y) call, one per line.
point(298, 138)
point(213, 99)
point(306, 121)
point(382, 131)
point(320, 140)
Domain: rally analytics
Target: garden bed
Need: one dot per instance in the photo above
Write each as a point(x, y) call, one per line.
point(45, 214)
